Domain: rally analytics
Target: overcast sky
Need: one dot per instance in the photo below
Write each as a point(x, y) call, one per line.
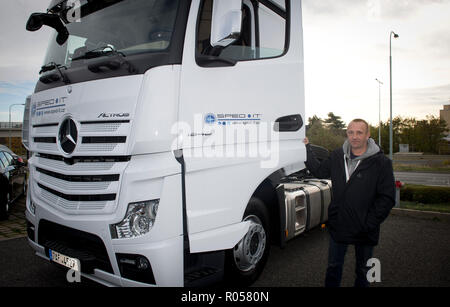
point(346, 48)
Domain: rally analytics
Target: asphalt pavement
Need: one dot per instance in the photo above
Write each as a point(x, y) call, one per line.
point(16, 225)
point(414, 251)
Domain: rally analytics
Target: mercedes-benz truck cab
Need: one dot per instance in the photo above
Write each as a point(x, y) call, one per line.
point(165, 139)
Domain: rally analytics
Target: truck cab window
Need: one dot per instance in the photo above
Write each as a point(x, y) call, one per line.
point(263, 32)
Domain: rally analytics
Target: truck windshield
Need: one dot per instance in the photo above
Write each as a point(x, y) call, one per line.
point(98, 28)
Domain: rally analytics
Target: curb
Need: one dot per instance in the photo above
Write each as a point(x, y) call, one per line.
point(427, 215)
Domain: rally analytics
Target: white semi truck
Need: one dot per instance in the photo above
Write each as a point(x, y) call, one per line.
point(165, 140)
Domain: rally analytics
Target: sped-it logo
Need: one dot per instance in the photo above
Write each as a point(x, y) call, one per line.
point(210, 119)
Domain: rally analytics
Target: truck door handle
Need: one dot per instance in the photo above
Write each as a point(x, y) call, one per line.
point(290, 123)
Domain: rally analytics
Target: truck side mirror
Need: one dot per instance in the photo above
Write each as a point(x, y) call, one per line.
point(37, 20)
point(226, 22)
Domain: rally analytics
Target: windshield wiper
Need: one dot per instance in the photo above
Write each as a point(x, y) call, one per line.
point(110, 63)
point(53, 77)
point(99, 52)
point(50, 66)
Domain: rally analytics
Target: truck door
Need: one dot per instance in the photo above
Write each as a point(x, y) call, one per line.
point(264, 85)
point(253, 82)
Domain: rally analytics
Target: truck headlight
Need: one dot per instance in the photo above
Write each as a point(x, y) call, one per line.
point(138, 220)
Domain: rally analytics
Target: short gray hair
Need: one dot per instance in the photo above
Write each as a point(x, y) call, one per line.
point(359, 120)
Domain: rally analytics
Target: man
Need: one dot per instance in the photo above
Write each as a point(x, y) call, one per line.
point(363, 195)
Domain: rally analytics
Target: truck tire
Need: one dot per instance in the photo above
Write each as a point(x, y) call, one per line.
point(245, 262)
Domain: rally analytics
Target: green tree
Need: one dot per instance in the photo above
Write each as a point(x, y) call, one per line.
point(430, 133)
point(313, 120)
point(384, 136)
point(421, 135)
point(322, 135)
point(334, 122)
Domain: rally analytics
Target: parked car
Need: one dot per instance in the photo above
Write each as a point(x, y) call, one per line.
point(13, 179)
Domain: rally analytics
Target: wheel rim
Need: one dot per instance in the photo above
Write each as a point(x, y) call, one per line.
point(250, 250)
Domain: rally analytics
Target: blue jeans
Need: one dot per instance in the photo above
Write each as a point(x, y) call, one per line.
point(336, 255)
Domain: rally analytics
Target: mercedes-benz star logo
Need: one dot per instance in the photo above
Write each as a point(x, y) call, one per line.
point(68, 135)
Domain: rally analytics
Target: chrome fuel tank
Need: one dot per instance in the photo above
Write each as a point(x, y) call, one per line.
point(306, 205)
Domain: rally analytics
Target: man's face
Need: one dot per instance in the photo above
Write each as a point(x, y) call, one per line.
point(357, 135)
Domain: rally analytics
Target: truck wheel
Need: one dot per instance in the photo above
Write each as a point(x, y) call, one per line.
point(246, 261)
point(4, 207)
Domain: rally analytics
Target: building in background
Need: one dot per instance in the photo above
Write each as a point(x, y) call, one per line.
point(445, 115)
point(16, 137)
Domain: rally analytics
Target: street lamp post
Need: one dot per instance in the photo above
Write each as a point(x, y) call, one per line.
point(15, 104)
point(379, 111)
point(391, 133)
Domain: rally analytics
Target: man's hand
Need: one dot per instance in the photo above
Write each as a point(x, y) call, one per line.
point(306, 141)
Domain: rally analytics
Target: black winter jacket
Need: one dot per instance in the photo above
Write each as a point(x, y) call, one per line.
point(358, 206)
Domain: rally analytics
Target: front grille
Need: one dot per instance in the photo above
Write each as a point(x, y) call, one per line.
point(72, 206)
point(80, 178)
point(91, 148)
point(86, 247)
point(78, 185)
point(89, 181)
point(97, 159)
point(79, 198)
point(102, 127)
point(45, 140)
point(46, 147)
point(104, 139)
point(99, 137)
point(46, 125)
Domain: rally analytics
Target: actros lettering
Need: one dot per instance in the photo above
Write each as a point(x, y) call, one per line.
point(113, 115)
